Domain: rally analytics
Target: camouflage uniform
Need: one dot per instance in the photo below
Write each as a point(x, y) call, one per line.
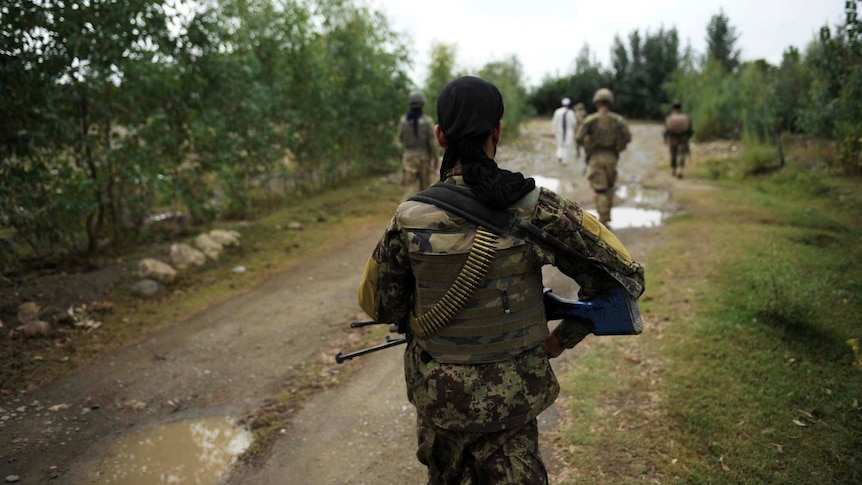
point(420, 150)
point(604, 135)
point(477, 409)
point(580, 116)
point(677, 131)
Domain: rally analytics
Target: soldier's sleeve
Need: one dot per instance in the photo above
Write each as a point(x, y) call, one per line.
point(581, 231)
point(385, 292)
point(401, 126)
point(627, 135)
point(432, 140)
point(582, 131)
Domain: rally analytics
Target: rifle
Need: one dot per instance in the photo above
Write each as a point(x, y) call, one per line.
point(390, 342)
point(613, 312)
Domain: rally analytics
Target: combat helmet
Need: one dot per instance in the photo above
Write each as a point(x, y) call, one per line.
point(603, 94)
point(416, 99)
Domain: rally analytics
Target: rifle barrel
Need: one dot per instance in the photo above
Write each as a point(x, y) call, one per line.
point(364, 323)
point(341, 358)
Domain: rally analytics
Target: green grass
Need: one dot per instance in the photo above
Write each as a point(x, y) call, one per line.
point(745, 373)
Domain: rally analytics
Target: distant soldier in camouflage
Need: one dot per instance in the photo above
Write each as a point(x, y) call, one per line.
point(416, 133)
point(580, 116)
point(604, 134)
point(480, 381)
point(677, 131)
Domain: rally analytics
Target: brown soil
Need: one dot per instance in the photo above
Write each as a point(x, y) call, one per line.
point(234, 357)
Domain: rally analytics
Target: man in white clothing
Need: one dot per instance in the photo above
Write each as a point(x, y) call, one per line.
point(563, 127)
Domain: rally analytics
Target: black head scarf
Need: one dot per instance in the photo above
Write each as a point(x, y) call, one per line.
point(468, 110)
point(413, 115)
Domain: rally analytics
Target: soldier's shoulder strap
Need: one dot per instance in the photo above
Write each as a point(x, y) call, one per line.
point(462, 202)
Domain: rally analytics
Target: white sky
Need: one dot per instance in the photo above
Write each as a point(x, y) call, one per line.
point(546, 35)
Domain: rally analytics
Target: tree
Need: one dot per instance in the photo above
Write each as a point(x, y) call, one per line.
point(834, 107)
point(508, 76)
point(641, 71)
point(586, 77)
point(63, 66)
point(441, 70)
point(108, 116)
point(721, 40)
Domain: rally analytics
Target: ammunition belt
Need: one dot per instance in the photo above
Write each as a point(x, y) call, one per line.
point(473, 273)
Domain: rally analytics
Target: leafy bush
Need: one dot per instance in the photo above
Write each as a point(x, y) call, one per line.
point(203, 118)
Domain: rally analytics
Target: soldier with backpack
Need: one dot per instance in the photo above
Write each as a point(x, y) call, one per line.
point(677, 131)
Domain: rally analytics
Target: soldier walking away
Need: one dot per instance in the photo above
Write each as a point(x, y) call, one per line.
point(604, 134)
point(677, 131)
point(580, 115)
point(416, 133)
point(480, 378)
point(563, 128)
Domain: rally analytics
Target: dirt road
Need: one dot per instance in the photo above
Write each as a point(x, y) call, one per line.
point(228, 359)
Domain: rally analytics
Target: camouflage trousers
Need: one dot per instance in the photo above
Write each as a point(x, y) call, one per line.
point(678, 152)
point(509, 457)
point(602, 175)
point(416, 173)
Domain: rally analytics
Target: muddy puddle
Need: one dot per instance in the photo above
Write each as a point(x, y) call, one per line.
point(628, 217)
point(198, 452)
point(642, 196)
point(635, 204)
point(553, 184)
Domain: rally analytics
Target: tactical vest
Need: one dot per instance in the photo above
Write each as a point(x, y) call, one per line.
point(418, 142)
point(605, 132)
point(505, 315)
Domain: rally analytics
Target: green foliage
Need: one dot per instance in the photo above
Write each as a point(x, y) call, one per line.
point(637, 79)
point(709, 96)
point(108, 116)
point(721, 40)
point(579, 86)
point(641, 72)
point(787, 91)
point(834, 107)
point(756, 157)
point(441, 70)
point(508, 76)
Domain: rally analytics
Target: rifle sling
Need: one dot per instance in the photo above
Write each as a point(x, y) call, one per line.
point(462, 202)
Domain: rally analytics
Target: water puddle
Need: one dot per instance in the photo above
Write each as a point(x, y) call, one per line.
point(637, 194)
point(632, 195)
point(629, 217)
point(195, 452)
point(553, 184)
